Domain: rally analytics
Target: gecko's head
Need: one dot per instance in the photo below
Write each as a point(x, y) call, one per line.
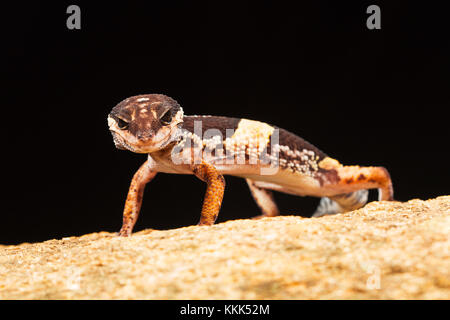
point(145, 123)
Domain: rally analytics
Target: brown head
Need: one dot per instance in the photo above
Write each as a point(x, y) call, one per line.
point(145, 123)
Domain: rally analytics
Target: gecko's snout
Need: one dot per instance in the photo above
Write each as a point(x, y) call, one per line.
point(147, 135)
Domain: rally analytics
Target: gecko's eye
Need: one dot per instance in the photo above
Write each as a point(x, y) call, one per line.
point(166, 118)
point(122, 124)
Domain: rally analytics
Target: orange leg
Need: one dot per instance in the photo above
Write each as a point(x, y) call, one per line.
point(134, 198)
point(264, 199)
point(214, 192)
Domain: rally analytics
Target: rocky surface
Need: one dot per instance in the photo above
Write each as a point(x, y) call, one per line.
point(386, 250)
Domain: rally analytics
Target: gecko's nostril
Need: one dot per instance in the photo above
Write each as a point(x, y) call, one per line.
point(141, 136)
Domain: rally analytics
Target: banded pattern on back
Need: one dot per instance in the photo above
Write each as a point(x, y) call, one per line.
point(244, 139)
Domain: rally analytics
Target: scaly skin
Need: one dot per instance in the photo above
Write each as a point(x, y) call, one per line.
point(214, 192)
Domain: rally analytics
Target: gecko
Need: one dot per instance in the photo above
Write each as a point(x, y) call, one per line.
point(269, 158)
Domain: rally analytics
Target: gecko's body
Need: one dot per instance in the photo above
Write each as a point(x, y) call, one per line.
point(269, 158)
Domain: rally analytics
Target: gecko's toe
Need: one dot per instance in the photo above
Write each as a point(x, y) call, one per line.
point(123, 233)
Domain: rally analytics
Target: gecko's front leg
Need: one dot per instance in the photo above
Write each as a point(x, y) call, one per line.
point(134, 198)
point(214, 192)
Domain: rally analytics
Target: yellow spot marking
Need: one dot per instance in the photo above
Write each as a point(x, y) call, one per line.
point(252, 130)
point(329, 163)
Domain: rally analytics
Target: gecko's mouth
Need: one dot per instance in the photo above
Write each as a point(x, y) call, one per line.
point(120, 143)
point(141, 146)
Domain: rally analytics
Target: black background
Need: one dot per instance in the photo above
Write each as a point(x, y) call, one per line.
point(366, 97)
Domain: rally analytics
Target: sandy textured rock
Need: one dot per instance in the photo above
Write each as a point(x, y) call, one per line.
point(387, 250)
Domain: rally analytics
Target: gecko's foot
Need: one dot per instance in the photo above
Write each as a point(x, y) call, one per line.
point(123, 233)
point(258, 217)
point(204, 224)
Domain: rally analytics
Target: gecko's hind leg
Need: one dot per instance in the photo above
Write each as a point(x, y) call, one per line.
point(264, 200)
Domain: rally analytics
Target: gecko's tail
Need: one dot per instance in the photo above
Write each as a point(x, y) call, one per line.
point(341, 203)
